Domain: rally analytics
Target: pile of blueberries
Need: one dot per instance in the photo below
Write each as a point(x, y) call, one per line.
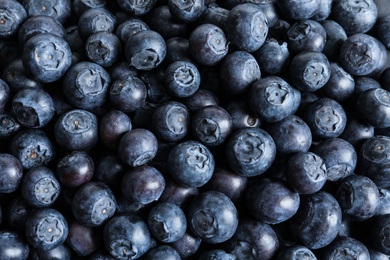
point(194, 129)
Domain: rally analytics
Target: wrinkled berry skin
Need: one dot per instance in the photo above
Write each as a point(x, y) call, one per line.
point(240, 19)
point(317, 220)
point(345, 247)
point(379, 234)
point(127, 237)
point(191, 163)
point(250, 151)
point(253, 240)
point(11, 173)
point(373, 106)
point(13, 245)
point(358, 197)
point(213, 217)
point(271, 201)
point(14, 14)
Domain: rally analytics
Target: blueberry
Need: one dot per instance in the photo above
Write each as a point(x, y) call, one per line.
point(213, 217)
point(177, 50)
point(5, 93)
point(11, 173)
point(130, 27)
point(59, 9)
point(296, 252)
point(109, 169)
point(95, 20)
point(186, 11)
point(372, 106)
point(162, 252)
point(201, 98)
point(103, 48)
point(214, 14)
point(356, 132)
point(59, 252)
point(273, 56)
point(176, 193)
point(80, 6)
point(335, 36)
point(216, 254)
point(137, 8)
point(13, 14)
point(191, 163)
point(381, 29)
point(13, 245)
point(307, 35)
point(345, 247)
point(324, 10)
point(112, 126)
point(241, 114)
point(250, 151)
point(298, 10)
point(340, 86)
point(187, 245)
point(83, 240)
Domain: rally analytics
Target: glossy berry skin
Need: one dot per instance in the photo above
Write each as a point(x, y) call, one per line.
point(171, 121)
point(335, 36)
point(188, 245)
point(143, 184)
point(93, 204)
point(162, 252)
point(40, 187)
point(273, 99)
point(83, 240)
point(103, 48)
point(4, 94)
point(136, 8)
point(145, 50)
point(362, 55)
point(85, 85)
point(76, 130)
point(240, 19)
point(185, 11)
point(32, 148)
point(358, 197)
point(373, 161)
point(347, 247)
point(127, 237)
point(16, 76)
point(307, 35)
point(241, 114)
point(253, 240)
point(340, 86)
point(355, 16)
point(46, 57)
point(137, 147)
point(75, 169)
point(291, 135)
point(306, 172)
point(112, 126)
point(271, 201)
point(33, 107)
point(11, 173)
point(340, 157)
point(95, 20)
point(46, 229)
point(13, 14)
point(201, 98)
point(317, 221)
point(191, 163)
point(211, 125)
point(273, 57)
point(167, 222)
point(296, 252)
point(13, 245)
point(59, 252)
point(213, 217)
point(238, 71)
point(309, 71)
point(208, 44)
point(130, 27)
point(298, 10)
point(182, 79)
point(373, 106)
point(250, 151)
point(325, 117)
point(176, 193)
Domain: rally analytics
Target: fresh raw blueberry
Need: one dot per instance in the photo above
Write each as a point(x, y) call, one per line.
point(58, 9)
point(5, 93)
point(33, 107)
point(324, 10)
point(40, 187)
point(76, 130)
point(201, 98)
point(145, 50)
point(32, 148)
point(103, 48)
point(59, 252)
point(95, 20)
point(246, 27)
point(101, 254)
point(310, 71)
point(177, 50)
point(110, 170)
point(253, 240)
point(373, 106)
point(355, 16)
point(214, 14)
point(335, 36)
point(127, 237)
point(356, 131)
point(291, 135)
point(306, 35)
point(167, 222)
point(130, 27)
point(373, 161)
point(120, 70)
point(362, 55)
point(306, 172)
point(325, 117)
point(73, 38)
point(47, 57)
point(113, 125)
point(358, 197)
point(188, 245)
point(279, 31)
point(216, 254)
point(250, 151)
point(75, 169)
point(238, 71)
point(384, 202)
point(382, 30)
point(379, 234)
point(143, 184)
point(241, 114)
point(176, 193)
point(93, 204)
point(137, 147)
point(317, 221)
point(17, 213)
point(16, 76)
point(13, 14)
point(213, 217)
point(298, 10)
point(273, 99)
point(80, 6)
point(86, 85)
point(346, 247)
point(191, 164)
point(296, 252)
point(211, 125)
point(269, 9)
point(341, 84)
point(13, 245)
point(171, 121)
point(273, 57)
point(154, 82)
point(11, 173)
point(136, 8)
point(186, 11)
point(83, 240)
point(162, 252)
point(208, 44)
point(46, 229)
